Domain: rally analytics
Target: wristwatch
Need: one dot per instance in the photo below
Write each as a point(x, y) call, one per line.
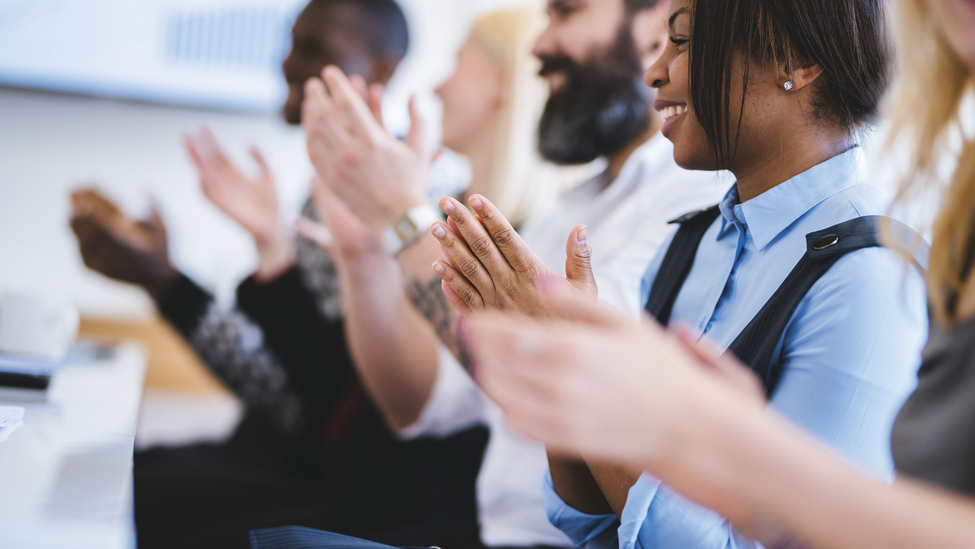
point(407, 227)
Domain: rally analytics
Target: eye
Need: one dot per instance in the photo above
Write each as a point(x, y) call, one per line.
point(564, 9)
point(679, 41)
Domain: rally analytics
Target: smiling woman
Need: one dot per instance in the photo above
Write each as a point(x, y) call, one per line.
point(775, 93)
point(767, 75)
point(678, 411)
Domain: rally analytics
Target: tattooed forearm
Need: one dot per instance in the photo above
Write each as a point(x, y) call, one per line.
point(429, 299)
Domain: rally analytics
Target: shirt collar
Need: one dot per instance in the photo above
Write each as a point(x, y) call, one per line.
point(773, 211)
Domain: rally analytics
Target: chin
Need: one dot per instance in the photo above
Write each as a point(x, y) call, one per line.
point(450, 141)
point(693, 158)
point(291, 113)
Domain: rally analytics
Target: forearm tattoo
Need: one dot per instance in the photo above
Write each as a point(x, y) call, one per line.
point(429, 299)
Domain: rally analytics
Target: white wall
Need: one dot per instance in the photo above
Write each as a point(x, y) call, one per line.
point(50, 143)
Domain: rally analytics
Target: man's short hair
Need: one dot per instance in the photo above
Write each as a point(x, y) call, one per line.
point(386, 29)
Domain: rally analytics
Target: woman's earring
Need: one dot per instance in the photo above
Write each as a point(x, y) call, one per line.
point(788, 85)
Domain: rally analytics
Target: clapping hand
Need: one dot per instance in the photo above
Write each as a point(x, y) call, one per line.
point(490, 266)
point(374, 174)
point(600, 384)
point(120, 247)
point(250, 201)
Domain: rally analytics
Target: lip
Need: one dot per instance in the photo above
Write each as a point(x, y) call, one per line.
point(556, 80)
point(668, 124)
point(661, 104)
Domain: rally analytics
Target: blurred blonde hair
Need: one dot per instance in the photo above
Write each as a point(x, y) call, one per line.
point(925, 108)
point(521, 185)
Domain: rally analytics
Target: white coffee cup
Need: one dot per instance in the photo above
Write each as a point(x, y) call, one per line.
point(37, 325)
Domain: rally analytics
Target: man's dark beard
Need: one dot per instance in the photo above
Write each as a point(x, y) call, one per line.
point(602, 108)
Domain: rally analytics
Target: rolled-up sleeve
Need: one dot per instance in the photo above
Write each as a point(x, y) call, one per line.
point(587, 531)
point(455, 403)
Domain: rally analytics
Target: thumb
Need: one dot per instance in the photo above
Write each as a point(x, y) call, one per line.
point(569, 304)
point(154, 223)
point(375, 101)
point(415, 139)
point(314, 232)
point(578, 264)
point(261, 161)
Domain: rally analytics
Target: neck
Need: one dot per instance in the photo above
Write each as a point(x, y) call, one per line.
point(617, 160)
point(796, 154)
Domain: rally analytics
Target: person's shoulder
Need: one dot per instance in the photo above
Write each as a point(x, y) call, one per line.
point(870, 280)
point(864, 199)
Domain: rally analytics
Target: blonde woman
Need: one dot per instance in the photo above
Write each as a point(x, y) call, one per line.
point(492, 103)
point(702, 425)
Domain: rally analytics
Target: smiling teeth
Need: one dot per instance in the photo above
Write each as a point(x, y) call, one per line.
point(672, 111)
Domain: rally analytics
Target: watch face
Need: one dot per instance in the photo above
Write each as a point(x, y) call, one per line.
point(405, 228)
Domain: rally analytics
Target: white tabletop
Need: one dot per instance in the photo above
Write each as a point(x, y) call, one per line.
point(66, 473)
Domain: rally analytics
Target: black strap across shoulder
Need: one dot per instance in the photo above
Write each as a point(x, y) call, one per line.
point(757, 342)
point(678, 261)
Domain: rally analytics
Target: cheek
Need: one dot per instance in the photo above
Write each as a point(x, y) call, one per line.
point(680, 76)
point(957, 18)
point(691, 149)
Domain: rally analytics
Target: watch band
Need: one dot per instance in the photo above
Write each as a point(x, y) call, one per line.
point(407, 227)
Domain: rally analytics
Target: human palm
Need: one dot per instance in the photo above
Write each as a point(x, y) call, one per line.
point(118, 246)
point(250, 201)
point(374, 174)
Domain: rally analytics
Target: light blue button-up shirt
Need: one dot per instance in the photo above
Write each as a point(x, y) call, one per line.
point(849, 354)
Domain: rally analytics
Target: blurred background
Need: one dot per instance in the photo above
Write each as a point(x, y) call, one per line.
point(100, 92)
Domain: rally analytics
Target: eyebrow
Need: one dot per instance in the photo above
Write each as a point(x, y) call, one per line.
point(673, 17)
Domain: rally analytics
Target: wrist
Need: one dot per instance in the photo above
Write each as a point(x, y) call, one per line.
point(367, 245)
point(407, 227)
point(275, 255)
point(158, 284)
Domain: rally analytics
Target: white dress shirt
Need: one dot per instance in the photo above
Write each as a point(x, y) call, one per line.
point(627, 223)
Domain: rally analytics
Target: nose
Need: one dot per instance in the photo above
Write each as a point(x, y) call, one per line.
point(658, 74)
point(546, 45)
point(287, 66)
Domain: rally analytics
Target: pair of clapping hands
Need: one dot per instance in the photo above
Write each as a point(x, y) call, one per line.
point(563, 368)
point(137, 252)
point(366, 177)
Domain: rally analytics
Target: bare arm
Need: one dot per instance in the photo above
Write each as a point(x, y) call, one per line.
point(574, 483)
point(394, 350)
point(366, 178)
point(425, 291)
point(701, 436)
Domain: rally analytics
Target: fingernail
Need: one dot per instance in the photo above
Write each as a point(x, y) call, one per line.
point(438, 231)
point(447, 207)
point(476, 203)
point(438, 267)
point(581, 235)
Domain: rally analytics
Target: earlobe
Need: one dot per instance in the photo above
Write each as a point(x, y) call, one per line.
point(799, 78)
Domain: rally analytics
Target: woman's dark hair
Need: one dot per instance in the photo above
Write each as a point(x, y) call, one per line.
point(849, 39)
